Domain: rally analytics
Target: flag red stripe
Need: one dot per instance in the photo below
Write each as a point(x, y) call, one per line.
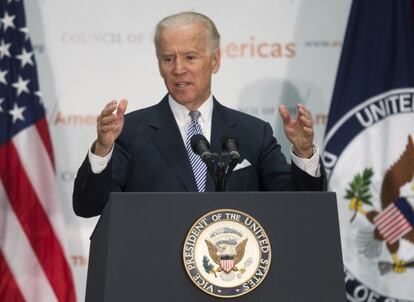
point(398, 230)
point(36, 225)
point(396, 238)
point(386, 215)
point(43, 130)
point(386, 228)
point(20, 257)
point(393, 224)
point(398, 233)
point(9, 291)
point(400, 222)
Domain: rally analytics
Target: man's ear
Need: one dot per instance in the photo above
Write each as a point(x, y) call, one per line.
point(216, 61)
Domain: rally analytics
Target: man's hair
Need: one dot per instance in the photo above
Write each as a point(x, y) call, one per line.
point(185, 18)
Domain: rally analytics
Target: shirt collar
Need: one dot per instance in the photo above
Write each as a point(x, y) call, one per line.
point(181, 112)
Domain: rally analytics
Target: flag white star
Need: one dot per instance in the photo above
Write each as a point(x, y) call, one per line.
point(25, 58)
point(7, 21)
point(1, 101)
point(21, 85)
point(17, 113)
point(39, 94)
point(4, 49)
point(25, 30)
point(3, 76)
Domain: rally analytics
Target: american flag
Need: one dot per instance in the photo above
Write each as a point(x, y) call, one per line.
point(33, 264)
point(394, 222)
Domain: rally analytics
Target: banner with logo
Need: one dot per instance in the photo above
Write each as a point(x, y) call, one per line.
point(369, 151)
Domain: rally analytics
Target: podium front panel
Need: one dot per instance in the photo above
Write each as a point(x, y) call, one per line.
point(137, 246)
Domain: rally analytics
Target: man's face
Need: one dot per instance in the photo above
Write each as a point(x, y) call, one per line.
point(186, 64)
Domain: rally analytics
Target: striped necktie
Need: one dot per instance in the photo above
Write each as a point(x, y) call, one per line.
point(199, 168)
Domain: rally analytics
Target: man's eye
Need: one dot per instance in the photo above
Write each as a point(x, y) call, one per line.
point(168, 60)
point(191, 58)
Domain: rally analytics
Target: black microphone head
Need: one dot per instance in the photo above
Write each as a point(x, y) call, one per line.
point(229, 142)
point(199, 144)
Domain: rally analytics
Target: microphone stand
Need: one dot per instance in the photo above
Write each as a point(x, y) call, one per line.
point(219, 166)
point(219, 171)
point(220, 176)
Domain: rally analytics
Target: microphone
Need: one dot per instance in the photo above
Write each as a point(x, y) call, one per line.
point(231, 145)
point(200, 146)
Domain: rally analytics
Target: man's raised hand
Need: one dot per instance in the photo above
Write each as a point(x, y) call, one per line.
point(109, 126)
point(299, 131)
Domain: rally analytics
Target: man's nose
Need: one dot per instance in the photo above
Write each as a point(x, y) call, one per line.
point(179, 66)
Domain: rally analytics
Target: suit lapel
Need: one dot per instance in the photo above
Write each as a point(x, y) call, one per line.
point(168, 139)
point(221, 122)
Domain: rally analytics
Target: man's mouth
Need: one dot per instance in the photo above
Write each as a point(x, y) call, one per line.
point(182, 84)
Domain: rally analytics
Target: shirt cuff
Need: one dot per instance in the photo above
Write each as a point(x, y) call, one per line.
point(309, 165)
point(98, 163)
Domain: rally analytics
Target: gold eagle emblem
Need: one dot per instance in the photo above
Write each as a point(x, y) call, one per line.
point(225, 258)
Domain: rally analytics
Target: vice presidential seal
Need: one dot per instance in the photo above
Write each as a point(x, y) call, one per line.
point(227, 253)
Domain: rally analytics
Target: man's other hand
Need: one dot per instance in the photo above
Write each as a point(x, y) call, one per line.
point(299, 131)
point(109, 125)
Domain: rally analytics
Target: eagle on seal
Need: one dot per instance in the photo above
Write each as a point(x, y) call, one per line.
point(226, 260)
point(395, 221)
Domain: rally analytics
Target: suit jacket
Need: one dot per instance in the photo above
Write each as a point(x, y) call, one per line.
point(150, 156)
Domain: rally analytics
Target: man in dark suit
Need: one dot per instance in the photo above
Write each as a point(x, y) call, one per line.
point(147, 150)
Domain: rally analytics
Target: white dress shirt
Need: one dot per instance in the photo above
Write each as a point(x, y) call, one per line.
point(183, 119)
